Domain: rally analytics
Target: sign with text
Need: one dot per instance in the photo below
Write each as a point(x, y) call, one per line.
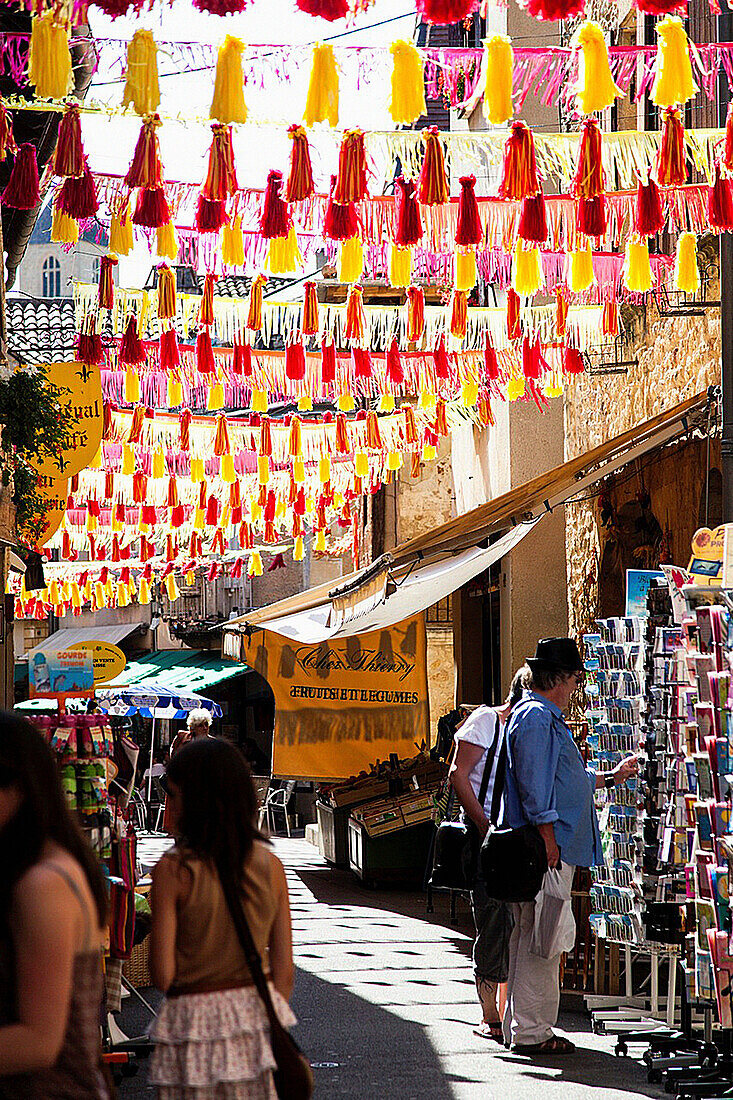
point(61, 672)
point(108, 661)
point(344, 704)
point(55, 491)
point(80, 389)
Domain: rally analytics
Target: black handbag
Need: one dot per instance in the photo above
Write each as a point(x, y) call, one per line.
point(293, 1076)
point(514, 862)
point(456, 846)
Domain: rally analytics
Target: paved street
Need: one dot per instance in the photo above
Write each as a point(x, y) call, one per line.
point(385, 999)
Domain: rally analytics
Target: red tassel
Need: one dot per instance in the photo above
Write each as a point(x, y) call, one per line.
point(221, 177)
point(561, 314)
point(513, 320)
point(131, 350)
point(168, 352)
point(325, 9)
point(328, 362)
point(433, 183)
point(551, 10)
point(469, 229)
point(441, 361)
point(649, 216)
point(666, 7)
point(573, 362)
point(205, 353)
point(592, 219)
point(206, 309)
point(222, 446)
point(242, 360)
point(309, 323)
point(7, 141)
point(609, 325)
point(146, 169)
point(415, 313)
point(355, 315)
point(172, 498)
point(589, 181)
point(300, 179)
point(184, 426)
point(341, 222)
point(491, 361)
point(294, 362)
point(254, 312)
point(411, 435)
point(210, 215)
point(212, 511)
point(151, 208)
point(409, 226)
point(445, 13)
point(78, 197)
point(720, 203)
point(441, 424)
point(671, 159)
point(343, 446)
point(68, 156)
point(534, 364)
point(274, 220)
point(90, 348)
point(727, 156)
point(533, 219)
point(21, 191)
point(362, 362)
point(519, 177)
point(395, 373)
point(459, 315)
point(352, 172)
point(106, 292)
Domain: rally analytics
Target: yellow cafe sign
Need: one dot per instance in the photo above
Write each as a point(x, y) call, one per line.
point(108, 660)
point(80, 390)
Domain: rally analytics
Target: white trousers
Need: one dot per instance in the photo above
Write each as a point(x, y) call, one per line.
point(533, 985)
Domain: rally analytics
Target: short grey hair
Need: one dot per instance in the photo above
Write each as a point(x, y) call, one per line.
point(544, 679)
point(199, 717)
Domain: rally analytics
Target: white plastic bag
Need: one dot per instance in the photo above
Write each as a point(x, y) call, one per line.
point(554, 923)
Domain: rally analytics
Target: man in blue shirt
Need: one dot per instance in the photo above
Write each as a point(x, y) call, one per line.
point(548, 785)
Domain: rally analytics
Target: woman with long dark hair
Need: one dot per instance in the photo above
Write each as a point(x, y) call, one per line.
point(53, 915)
point(212, 1033)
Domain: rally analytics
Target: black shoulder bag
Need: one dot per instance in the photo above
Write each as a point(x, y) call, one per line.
point(456, 842)
point(293, 1077)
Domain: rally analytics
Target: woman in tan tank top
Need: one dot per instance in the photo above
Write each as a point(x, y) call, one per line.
point(53, 909)
point(212, 1032)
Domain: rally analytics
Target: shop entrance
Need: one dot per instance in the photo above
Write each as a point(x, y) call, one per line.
point(477, 634)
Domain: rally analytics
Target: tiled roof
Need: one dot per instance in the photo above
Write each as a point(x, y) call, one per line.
point(41, 331)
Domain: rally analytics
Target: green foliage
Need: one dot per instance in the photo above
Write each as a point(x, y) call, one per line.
point(31, 424)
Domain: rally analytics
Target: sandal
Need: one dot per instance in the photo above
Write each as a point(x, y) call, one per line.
point(495, 1032)
point(556, 1044)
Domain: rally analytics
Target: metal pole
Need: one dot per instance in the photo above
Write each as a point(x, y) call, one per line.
point(150, 776)
point(725, 30)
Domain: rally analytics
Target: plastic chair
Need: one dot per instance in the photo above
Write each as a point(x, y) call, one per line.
point(277, 799)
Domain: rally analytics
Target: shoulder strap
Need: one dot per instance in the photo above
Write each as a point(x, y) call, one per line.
point(498, 792)
point(251, 954)
point(490, 754)
point(64, 874)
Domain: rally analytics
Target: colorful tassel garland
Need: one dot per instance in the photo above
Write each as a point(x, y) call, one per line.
point(498, 107)
point(650, 218)
point(637, 268)
point(595, 89)
point(254, 313)
point(466, 272)
point(519, 176)
point(527, 270)
point(468, 228)
point(352, 171)
point(433, 183)
point(672, 159)
point(146, 169)
point(228, 103)
point(581, 269)
point(131, 350)
point(415, 314)
point(49, 58)
point(407, 103)
point(322, 103)
point(533, 219)
point(300, 178)
point(686, 271)
point(351, 260)
point(151, 208)
point(106, 290)
point(409, 229)
point(232, 243)
point(355, 319)
point(68, 156)
point(309, 323)
point(720, 203)
point(64, 230)
point(120, 230)
point(166, 242)
point(673, 81)
point(142, 89)
point(21, 191)
point(400, 266)
point(221, 176)
point(459, 315)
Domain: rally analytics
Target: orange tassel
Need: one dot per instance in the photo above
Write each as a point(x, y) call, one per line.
point(351, 179)
point(433, 185)
point(415, 313)
point(609, 323)
point(184, 425)
point(136, 424)
point(513, 320)
point(254, 315)
point(7, 142)
point(411, 435)
point(206, 311)
point(309, 324)
point(373, 435)
point(221, 439)
point(561, 314)
point(441, 420)
point(671, 159)
point(343, 446)
point(459, 315)
point(589, 181)
point(221, 178)
point(265, 437)
point(166, 293)
point(355, 315)
point(519, 179)
point(146, 169)
point(300, 179)
point(106, 295)
point(295, 442)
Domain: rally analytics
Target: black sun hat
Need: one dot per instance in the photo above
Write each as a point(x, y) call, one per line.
point(556, 655)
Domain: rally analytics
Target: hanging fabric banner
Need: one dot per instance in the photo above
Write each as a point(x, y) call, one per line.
point(343, 705)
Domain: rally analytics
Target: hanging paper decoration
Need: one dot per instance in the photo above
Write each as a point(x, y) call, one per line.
point(595, 89)
point(407, 103)
point(228, 103)
point(433, 183)
point(686, 271)
point(498, 107)
point(68, 156)
point(672, 159)
point(352, 171)
point(322, 103)
point(673, 81)
point(142, 89)
point(300, 178)
point(519, 169)
point(21, 191)
point(49, 59)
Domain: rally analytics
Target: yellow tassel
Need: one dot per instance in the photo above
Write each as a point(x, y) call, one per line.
point(408, 84)
point(298, 548)
point(143, 594)
point(175, 391)
point(527, 273)
point(298, 471)
point(75, 595)
point(428, 452)
point(263, 469)
point(469, 393)
point(361, 464)
point(324, 469)
point(515, 388)
point(499, 65)
point(673, 82)
point(228, 102)
point(49, 59)
point(128, 458)
point(227, 473)
point(99, 597)
point(394, 460)
point(87, 591)
point(305, 403)
point(215, 399)
point(123, 596)
point(346, 403)
point(92, 523)
point(64, 230)
point(254, 569)
point(199, 520)
point(131, 588)
point(554, 387)
point(141, 79)
point(232, 244)
point(171, 588)
point(166, 242)
point(386, 403)
point(132, 386)
point(117, 524)
point(400, 266)
point(351, 260)
point(320, 544)
point(686, 271)
point(466, 273)
point(120, 231)
point(255, 511)
point(581, 269)
point(637, 269)
point(427, 400)
point(197, 470)
point(283, 254)
point(280, 510)
point(595, 89)
point(259, 401)
point(158, 467)
point(190, 577)
point(322, 104)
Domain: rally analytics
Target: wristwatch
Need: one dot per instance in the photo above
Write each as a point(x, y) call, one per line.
point(609, 781)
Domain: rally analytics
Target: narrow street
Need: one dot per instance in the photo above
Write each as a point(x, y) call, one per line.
point(385, 998)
